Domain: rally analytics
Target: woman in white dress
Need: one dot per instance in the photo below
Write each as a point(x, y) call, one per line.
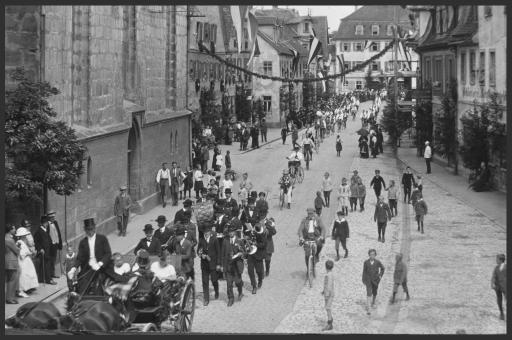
point(163, 269)
point(28, 275)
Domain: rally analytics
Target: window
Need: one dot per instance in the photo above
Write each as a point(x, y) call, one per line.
point(389, 30)
point(463, 68)
point(214, 33)
point(207, 32)
point(267, 104)
point(267, 68)
point(358, 46)
point(428, 69)
point(472, 67)
point(375, 46)
point(305, 45)
point(89, 172)
point(359, 84)
point(359, 30)
point(346, 47)
point(375, 29)
point(172, 144)
point(234, 43)
point(492, 68)
point(192, 69)
point(375, 66)
point(438, 71)
point(345, 83)
point(306, 27)
point(176, 147)
point(199, 31)
point(441, 19)
point(482, 69)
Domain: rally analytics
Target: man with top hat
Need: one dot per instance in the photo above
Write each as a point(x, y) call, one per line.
point(209, 252)
point(181, 246)
point(145, 291)
point(163, 233)
point(271, 231)
point(190, 230)
point(43, 243)
point(230, 203)
point(312, 228)
point(187, 207)
point(232, 263)
point(249, 217)
point(122, 206)
point(94, 260)
point(149, 243)
point(56, 241)
point(255, 261)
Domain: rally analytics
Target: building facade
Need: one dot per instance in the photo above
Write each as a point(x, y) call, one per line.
point(120, 70)
point(363, 34)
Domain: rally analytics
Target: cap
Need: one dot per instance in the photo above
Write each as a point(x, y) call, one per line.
point(22, 232)
point(180, 230)
point(427, 143)
point(51, 212)
point(148, 227)
point(142, 258)
point(161, 218)
point(310, 210)
point(123, 187)
point(89, 223)
point(187, 203)
point(207, 228)
point(232, 227)
point(251, 200)
point(228, 191)
point(26, 223)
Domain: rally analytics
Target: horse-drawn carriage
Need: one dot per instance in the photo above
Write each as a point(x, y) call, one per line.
point(115, 310)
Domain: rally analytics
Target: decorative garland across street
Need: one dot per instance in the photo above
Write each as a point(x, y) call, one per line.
point(300, 80)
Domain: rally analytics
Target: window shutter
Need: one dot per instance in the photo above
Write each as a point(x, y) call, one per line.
point(200, 35)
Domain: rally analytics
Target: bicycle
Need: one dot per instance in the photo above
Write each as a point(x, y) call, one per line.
point(310, 250)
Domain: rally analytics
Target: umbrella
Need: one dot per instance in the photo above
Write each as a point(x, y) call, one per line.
point(362, 132)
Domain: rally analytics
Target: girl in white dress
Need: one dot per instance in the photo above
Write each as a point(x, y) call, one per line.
point(343, 195)
point(28, 275)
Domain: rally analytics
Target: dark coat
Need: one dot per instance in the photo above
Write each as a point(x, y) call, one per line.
point(408, 180)
point(187, 257)
point(261, 245)
point(155, 247)
point(232, 203)
point(245, 217)
point(212, 249)
point(372, 274)
point(58, 232)
point(179, 214)
point(162, 237)
point(377, 183)
point(102, 252)
point(261, 208)
point(499, 278)
point(271, 231)
point(230, 265)
point(340, 229)
point(42, 241)
point(382, 212)
point(220, 226)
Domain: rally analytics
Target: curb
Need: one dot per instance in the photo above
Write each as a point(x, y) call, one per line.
point(271, 141)
point(493, 220)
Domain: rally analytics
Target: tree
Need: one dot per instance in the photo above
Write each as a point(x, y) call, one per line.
point(483, 135)
point(40, 153)
point(445, 127)
point(393, 121)
point(423, 124)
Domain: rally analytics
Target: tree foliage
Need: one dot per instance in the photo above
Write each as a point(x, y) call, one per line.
point(482, 133)
point(393, 121)
point(445, 126)
point(39, 151)
point(423, 123)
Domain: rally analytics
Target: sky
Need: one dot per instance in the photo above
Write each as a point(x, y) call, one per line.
point(333, 13)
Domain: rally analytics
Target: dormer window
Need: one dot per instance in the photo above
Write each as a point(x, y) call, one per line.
point(359, 30)
point(390, 30)
point(306, 27)
point(375, 29)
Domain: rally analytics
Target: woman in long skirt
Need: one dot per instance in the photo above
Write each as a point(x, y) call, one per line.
point(28, 275)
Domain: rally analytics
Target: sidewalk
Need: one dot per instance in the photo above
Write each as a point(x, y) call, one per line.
point(492, 204)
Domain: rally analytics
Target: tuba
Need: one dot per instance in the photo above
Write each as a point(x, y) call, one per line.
point(249, 243)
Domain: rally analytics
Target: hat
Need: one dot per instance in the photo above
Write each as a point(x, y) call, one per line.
point(22, 232)
point(341, 212)
point(26, 223)
point(251, 200)
point(148, 227)
point(51, 212)
point(228, 191)
point(232, 227)
point(355, 171)
point(187, 203)
point(180, 230)
point(161, 218)
point(89, 223)
point(142, 258)
point(207, 228)
point(310, 210)
point(427, 143)
point(186, 216)
point(123, 187)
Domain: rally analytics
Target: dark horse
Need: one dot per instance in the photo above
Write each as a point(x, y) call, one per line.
point(34, 315)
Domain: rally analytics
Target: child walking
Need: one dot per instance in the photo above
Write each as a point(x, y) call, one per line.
point(69, 262)
point(392, 197)
point(327, 188)
point(339, 147)
point(319, 203)
point(328, 293)
point(343, 197)
point(419, 181)
point(340, 233)
point(421, 210)
point(400, 278)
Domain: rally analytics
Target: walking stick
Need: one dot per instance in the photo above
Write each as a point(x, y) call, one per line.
point(60, 262)
point(44, 272)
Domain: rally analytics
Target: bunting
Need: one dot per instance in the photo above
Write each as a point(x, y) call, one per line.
point(237, 22)
point(255, 50)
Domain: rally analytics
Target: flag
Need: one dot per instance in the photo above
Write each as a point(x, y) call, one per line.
point(320, 75)
point(342, 65)
point(255, 50)
point(252, 26)
point(367, 44)
point(237, 22)
point(295, 60)
point(314, 47)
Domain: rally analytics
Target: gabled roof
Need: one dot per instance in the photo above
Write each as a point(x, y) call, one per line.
point(378, 13)
point(281, 13)
point(265, 21)
point(321, 30)
point(280, 47)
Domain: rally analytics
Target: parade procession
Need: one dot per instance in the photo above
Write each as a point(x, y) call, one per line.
point(243, 169)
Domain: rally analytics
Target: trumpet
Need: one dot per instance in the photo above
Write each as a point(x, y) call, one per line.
point(249, 243)
point(260, 228)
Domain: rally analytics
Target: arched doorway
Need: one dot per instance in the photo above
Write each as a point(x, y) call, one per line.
point(134, 161)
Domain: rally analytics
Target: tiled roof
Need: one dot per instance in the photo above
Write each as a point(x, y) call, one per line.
point(321, 30)
point(264, 21)
point(280, 47)
point(368, 16)
point(281, 13)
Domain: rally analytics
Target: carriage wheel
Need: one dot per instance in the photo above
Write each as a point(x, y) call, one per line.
point(188, 304)
point(149, 327)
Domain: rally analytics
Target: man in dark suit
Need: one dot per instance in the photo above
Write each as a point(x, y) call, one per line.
point(149, 243)
point(93, 269)
point(372, 273)
point(56, 241)
point(181, 246)
point(187, 206)
point(249, 217)
point(271, 231)
point(382, 215)
point(255, 261)
point(175, 179)
point(209, 252)
point(162, 233)
point(232, 264)
point(43, 243)
point(230, 203)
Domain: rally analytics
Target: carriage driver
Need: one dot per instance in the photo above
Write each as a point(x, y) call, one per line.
point(312, 228)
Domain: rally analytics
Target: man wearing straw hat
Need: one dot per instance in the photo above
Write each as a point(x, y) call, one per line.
point(122, 206)
point(56, 242)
